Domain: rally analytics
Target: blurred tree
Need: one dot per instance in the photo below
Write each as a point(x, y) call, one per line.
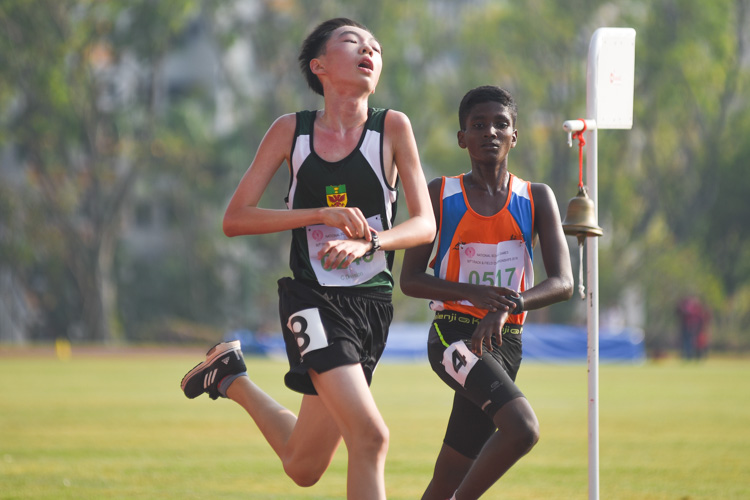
point(676, 201)
point(81, 134)
point(94, 129)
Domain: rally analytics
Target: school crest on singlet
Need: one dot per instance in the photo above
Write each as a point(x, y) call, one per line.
point(336, 196)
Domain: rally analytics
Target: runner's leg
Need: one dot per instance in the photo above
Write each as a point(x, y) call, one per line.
point(305, 444)
point(450, 469)
point(345, 393)
point(467, 431)
point(518, 432)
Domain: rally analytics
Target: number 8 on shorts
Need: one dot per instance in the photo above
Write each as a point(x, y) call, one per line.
point(307, 328)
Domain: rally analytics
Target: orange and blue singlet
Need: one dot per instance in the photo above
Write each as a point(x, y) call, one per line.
point(460, 225)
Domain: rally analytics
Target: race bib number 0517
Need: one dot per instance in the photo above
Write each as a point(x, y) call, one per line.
point(501, 264)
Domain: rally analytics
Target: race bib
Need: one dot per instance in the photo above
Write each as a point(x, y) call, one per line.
point(359, 271)
point(458, 361)
point(308, 330)
point(502, 264)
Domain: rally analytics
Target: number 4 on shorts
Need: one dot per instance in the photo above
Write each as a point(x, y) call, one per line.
point(458, 361)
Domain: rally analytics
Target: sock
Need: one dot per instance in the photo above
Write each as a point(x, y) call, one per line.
point(227, 381)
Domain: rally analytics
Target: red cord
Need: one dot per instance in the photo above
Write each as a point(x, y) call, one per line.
point(581, 142)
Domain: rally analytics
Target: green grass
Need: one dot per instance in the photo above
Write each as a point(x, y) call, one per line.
point(119, 427)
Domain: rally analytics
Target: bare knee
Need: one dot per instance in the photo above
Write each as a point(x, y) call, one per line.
point(305, 471)
point(526, 432)
point(529, 435)
point(518, 422)
point(376, 439)
point(370, 440)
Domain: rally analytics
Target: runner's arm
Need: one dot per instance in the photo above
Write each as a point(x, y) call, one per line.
point(244, 217)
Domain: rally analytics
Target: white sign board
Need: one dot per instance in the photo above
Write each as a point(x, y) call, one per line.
point(611, 68)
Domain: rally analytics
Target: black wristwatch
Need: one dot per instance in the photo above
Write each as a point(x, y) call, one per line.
point(375, 244)
point(518, 301)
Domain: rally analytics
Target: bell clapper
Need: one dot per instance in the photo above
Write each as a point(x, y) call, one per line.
point(581, 287)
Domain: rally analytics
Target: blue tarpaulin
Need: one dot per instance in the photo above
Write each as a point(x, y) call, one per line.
point(542, 342)
point(549, 342)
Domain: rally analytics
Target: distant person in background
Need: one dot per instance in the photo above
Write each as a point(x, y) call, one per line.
point(704, 336)
point(693, 319)
point(345, 163)
point(483, 284)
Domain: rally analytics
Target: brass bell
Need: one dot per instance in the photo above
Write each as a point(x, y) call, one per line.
point(580, 219)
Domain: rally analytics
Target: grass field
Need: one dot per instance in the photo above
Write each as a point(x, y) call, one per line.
point(117, 426)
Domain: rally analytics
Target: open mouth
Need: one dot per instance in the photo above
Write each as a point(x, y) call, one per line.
point(366, 64)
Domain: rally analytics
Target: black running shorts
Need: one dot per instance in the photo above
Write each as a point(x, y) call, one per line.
point(328, 327)
point(483, 385)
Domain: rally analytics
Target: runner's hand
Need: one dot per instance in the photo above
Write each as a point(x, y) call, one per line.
point(491, 326)
point(341, 253)
point(350, 220)
point(491, 298)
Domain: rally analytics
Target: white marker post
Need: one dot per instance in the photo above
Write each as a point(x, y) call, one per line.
point(609, 105)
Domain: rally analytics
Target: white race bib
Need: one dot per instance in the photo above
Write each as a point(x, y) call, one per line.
point(359, 271)
point(458, 361)
point(502, 264)
point(308, 330)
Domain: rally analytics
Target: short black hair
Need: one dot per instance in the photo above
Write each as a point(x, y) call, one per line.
point(315, 45)
point(486, 93)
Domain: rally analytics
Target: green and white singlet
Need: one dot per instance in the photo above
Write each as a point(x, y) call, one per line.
point(355, 181)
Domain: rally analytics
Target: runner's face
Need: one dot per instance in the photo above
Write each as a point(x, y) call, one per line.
point(489, 134)
point(353, 55)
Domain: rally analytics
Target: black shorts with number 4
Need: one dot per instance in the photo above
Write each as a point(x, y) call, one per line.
point(482, 385)
point(328, 327)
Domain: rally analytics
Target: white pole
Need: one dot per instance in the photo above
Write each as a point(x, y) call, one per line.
point(592, 277)
point(592, 302)
point(592, 284)
point(609, 105)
